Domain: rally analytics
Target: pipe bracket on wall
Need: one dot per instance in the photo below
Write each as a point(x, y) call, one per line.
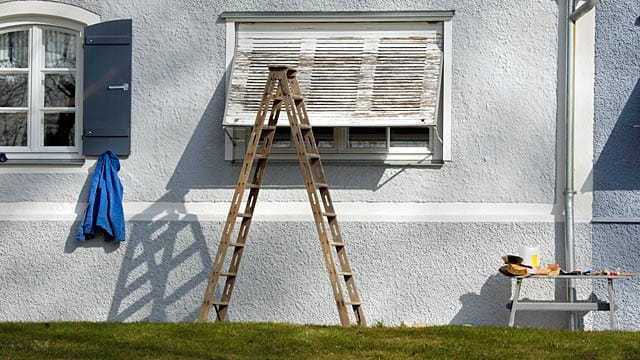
point(583, 9)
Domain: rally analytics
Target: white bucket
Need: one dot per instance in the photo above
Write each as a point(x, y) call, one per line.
point(530, 256)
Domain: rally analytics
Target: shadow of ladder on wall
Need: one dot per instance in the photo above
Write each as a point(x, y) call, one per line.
point(282, 89)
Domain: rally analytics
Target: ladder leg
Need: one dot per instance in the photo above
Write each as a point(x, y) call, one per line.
point(321, 205)
point(253, 163)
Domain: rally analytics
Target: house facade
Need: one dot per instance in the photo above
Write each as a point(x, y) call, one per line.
point(441, 128)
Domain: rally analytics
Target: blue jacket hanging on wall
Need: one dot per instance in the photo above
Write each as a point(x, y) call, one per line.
point(105, 212)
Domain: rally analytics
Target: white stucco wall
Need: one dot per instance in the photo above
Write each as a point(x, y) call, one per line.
point(435, 273)
point(504, 109)
point(616, 171)
point(436, 266)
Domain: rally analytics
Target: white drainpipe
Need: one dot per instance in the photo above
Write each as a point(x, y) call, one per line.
point(569, 190)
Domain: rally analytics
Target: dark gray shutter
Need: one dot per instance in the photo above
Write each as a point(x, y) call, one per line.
point(107, 88)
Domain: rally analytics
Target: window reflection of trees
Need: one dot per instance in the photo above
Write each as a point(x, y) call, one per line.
point(13, 129)
point(13, 90)
point(59, 90)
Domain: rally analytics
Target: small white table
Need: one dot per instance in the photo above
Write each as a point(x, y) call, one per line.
point(518, 305)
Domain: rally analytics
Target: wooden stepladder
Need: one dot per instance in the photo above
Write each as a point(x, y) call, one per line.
point(282, 90)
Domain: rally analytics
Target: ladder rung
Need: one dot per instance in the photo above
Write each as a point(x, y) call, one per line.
point(268, 128)
point(322, 185)
point(294, 97)
point(345, 273)
point(244, 215)
point(329, 214)
point(261, 156)
point(220, 303)
point(313, 156)
point(226, 273)
point(353, 303)
point(252, 186)
point(236, 244)
point(333, 244)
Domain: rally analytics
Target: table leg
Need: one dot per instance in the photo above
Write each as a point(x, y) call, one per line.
point(612, 305)
point(514, 303)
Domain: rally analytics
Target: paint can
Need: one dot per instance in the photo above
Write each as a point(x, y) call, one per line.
point(530, 256)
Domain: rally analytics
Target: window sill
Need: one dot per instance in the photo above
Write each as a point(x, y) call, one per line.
point(359, 162)
point(43, 162)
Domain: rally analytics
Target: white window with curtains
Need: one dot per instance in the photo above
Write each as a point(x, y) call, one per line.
point(40, 84)
point(376, 85)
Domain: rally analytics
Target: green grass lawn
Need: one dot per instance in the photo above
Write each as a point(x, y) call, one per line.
point(283, 341)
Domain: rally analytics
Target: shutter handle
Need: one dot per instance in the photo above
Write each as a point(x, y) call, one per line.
point(123, 87)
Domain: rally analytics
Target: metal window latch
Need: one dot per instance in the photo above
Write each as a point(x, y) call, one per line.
point(123, 87)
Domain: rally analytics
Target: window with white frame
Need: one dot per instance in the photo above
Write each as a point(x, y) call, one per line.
point(375, 85)
point(40, 83)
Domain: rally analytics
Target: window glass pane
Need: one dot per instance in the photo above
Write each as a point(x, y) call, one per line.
point(368, 138)
point(14, 49)
point(13, 129)
point(59, 90)
point(324, 137)
point(13, 90)
point(59, 129)
point(410, 137)
point(60, 49)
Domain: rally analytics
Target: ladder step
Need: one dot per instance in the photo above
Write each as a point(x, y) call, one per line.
point(345, 273)
point(228, 274)
point(268, 128)
point(333, 244)
point(244, 215)
point(236, 244)
point(297, 97)
point(329, 214)
point(252, 186)
point(322, 185)
point(353, 303)
point(313, 156)
point(261, 156)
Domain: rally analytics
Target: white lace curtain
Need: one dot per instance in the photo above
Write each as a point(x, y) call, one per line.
point(14, 49)
point(60, 49)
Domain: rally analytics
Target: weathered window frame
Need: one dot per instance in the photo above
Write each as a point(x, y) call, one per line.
point(441, 152)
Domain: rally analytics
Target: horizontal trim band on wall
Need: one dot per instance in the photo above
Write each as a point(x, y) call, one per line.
point(616, 220)
point(297, 211)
